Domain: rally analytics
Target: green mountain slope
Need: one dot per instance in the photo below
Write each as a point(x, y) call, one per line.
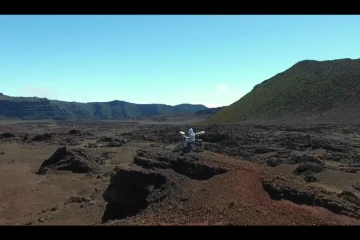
point(42, 108)
point(307, 88)
point(209, 111)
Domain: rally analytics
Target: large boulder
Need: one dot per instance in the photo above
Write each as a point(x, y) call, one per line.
point(42, 137)
point(305, 167)
point(74, 160)
point(7, 135)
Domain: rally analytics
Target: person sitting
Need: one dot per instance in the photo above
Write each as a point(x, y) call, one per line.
point(190, 139)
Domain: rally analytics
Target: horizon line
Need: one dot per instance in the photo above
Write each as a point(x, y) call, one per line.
point(116, 100)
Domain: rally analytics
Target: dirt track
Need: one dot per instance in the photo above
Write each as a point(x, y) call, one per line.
point(252, 156)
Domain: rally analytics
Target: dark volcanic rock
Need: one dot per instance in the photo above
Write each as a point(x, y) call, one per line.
point(356, 186)
point(114, 144)
point(214, 137)
point(105, 139)
point(185, 165)
point(152, 176)
point(74, 132)
point(308, 167)
point(75, 160)
point(42, 137)
point(350, 170)
point(305, 157)
point(78, 200)
point(92, 145)
point(149, 163)
point(261, 150)
point(344, 203)
point(133, 175)
point(273, 162)
point(310, 177)
point(295, 142)
point(131, 190)
point(72, 142)
point(351, 197)
point(337, 156)
point(7, 135)
point(25, 137)
point(327, 145)
point(106, 157)
point(196, 170)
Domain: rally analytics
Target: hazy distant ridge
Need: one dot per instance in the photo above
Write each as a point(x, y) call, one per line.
point(42, 108)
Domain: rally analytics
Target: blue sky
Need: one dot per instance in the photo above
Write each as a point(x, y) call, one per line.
point(210, 60)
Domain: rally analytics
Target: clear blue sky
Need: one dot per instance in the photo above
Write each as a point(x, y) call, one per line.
point(212, 60)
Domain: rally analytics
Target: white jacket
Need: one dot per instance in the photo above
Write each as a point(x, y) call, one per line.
point(191, 135)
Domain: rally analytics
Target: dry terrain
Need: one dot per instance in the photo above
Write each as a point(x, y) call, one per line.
point(130, 173)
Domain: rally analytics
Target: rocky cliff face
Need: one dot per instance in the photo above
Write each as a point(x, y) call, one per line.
point(27, 109)
point(42, 108)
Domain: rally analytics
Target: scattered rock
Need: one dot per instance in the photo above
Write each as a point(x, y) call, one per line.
point(305, 157)
point(41, 219)
point(71, 142)
point(2, 152)
point(7, 135)
point(344, 203)
point(149, 163)
point(185, 165)
point(350, 170)
point(25, 137)
point(336, 156)
point(356, 186)
point(106, 156)
point(214, 137)
point(263, 150)
point(351, 197)
point(114, 144)
point(74, 132)
point(42, 137)
point(92, 145)
point(75, 160)
point(154, 145)
point(196, 170)
point(105, 139)
point(308, 167)
point(273, 162)
point(320, 153)
point(78, 200)
point(310, 177)
point(107, 174)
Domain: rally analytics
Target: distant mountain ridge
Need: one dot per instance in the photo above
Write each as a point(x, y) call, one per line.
point(326, 90)
point(33, 108)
